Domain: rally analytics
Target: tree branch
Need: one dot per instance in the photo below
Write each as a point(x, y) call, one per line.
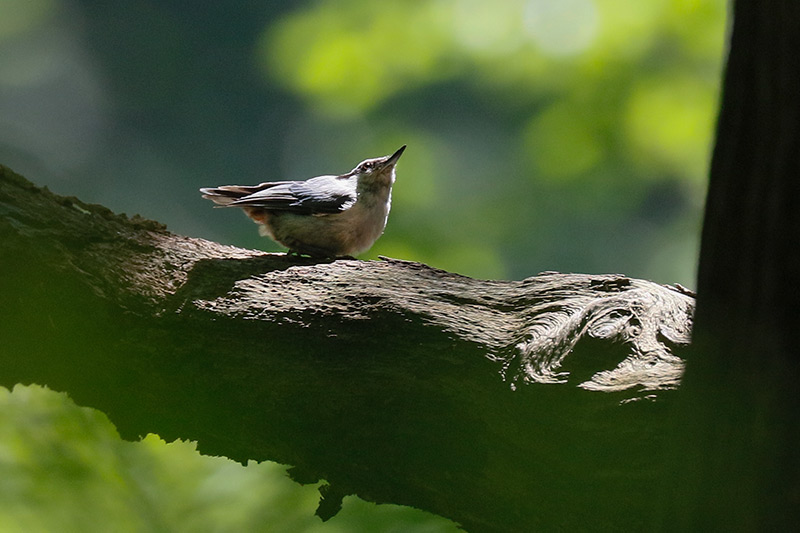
point(390, 379)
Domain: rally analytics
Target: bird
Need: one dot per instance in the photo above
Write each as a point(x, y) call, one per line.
point(326, 216)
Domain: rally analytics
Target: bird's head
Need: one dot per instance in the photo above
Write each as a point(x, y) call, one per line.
point(379, 170)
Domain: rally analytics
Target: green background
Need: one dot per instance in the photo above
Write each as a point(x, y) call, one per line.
point(543, 135)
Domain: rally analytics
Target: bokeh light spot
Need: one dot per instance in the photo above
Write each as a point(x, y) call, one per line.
point(562, 28)
point(669, 121)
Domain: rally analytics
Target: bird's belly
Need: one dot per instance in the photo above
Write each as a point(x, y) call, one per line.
point(347, 233)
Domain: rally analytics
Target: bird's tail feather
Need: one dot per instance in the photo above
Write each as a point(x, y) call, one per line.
point(227, 194)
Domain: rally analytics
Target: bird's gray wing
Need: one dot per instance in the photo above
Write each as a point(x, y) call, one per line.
point(225, 195)
point(323, 194)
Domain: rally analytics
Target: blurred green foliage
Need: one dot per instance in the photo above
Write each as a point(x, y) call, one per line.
point(589, 132)
point(570, 135)
point(64, 468)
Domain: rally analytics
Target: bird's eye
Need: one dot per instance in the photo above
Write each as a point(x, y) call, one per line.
point(366, 166)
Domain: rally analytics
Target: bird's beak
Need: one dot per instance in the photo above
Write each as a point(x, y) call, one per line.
point(394, 157)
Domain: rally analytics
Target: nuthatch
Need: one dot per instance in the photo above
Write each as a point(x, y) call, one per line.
point(326, 216)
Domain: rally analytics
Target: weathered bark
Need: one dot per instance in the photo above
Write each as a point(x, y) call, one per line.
point(499, 404)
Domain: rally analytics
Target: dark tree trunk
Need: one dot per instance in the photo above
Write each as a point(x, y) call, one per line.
point(738, 464)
